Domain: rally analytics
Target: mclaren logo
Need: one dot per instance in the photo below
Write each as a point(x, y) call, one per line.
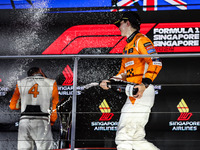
point(184, 110)
point(105, 109)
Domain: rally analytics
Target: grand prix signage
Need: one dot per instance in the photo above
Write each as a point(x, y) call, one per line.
point(3, 90)
point(184, 110)
point(167, 37)
point(66, 88)
point(76, 38)
point(183, 122)
point(177, 37)
point(105, 123)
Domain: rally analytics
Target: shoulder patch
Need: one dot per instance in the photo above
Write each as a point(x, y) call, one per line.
point(147, 44)
point(151, 51)
point(149, 48)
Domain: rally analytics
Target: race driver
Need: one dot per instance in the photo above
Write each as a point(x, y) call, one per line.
point(35, 95)
point(141, 71)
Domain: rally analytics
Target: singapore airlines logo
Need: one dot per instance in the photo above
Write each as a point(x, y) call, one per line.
point(105, 109)
point(68, 74)
point(183, 123)
point(104, 123)
point(184, 110)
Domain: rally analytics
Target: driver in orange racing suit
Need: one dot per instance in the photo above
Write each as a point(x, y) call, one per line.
point(142, 71)
point(35, 95)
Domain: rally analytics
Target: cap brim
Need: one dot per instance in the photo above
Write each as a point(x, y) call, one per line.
point(117, 23)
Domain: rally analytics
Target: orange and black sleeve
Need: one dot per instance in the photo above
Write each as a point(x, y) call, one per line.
point(15, 98)
point(55, 100)
point(154, 64)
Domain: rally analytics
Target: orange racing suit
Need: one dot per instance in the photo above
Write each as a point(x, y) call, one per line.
point(140, 70)
point(135, 112)
point(35, 95)
point(135, 67)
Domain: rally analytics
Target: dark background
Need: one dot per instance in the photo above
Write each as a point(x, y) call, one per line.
point(23, 33)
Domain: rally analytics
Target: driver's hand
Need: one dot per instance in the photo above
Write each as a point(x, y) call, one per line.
point(104, 84)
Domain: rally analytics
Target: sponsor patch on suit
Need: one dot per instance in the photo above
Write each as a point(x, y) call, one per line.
point(129, 63)
point(130, 50)
point(151, 51)
point(147, 44)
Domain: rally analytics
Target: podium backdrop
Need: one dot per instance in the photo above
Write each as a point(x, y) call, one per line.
point(174, 122)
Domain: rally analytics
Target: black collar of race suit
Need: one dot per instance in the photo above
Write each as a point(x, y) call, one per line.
point(130, 38)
